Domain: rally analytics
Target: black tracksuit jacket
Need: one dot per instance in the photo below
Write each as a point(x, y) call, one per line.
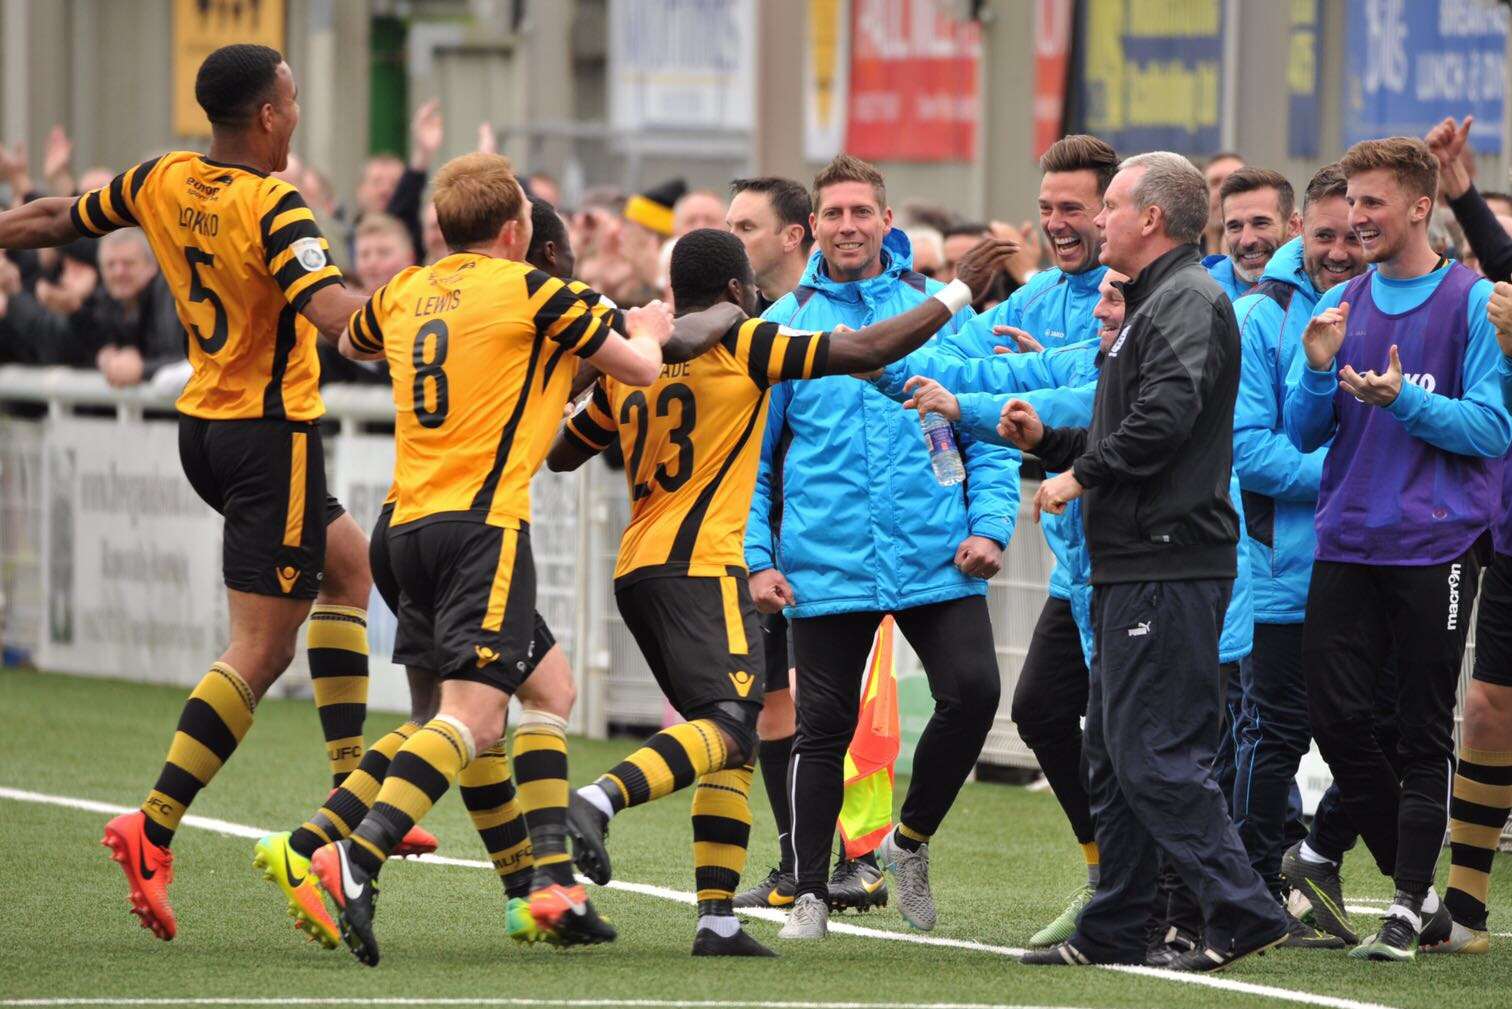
point(1156, 461)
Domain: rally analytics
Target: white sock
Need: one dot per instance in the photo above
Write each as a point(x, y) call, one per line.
point(1430, 902)
point(722, 925)
point(1407, 914)
point(1308, 855)
point(599, 798)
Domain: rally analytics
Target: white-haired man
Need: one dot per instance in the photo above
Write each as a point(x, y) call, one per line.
point(1162, 533)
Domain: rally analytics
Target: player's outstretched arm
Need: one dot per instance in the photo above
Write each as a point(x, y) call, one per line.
point(696, 332)
point(882, 343)
point(329, 310)
point(637, 360)
point(38, 224)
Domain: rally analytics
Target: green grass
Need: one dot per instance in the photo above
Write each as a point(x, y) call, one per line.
point(1001, 868)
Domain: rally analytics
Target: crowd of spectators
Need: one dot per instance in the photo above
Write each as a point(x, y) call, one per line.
point(103, 305)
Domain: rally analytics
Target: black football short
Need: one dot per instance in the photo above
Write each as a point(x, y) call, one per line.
point(1493, 625)
point(700, 636)
point(388, 588)
point(267, 479)
point(466, 601)
point(776, 639)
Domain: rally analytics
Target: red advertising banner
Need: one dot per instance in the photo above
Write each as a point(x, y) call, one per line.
point(1052, 52)
point(914, 73)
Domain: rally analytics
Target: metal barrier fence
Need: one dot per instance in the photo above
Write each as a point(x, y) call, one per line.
point(578, 518)
point(575, 533)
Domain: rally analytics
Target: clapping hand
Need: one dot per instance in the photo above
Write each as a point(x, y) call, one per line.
point(1376, 390)
point(1324, 336)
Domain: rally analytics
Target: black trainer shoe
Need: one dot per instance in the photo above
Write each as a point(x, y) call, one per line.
point(710, 943)
point(1437, 928)
point(857, 884)
point(352, 895)
point(1168, 946)
point(1300, 935)
point(1208, 960)
point(1396, 942)
point(589, 829)
point(775, 891)
point(1064, 954)
point(1319, 883)
point(1060, 955)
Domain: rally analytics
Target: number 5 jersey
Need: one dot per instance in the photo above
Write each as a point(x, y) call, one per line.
point(242, 255)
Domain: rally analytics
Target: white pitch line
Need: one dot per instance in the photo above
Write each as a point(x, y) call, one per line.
point(242, 830)
point(401, 1001)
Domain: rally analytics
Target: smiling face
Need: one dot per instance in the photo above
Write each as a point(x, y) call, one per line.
point(1331, 251)
point(1383, 214)
point(285, 115)
point(1068, 206)
point(1109, 310)
point(1254, 229)
point(1122, 223)
point(849, 225)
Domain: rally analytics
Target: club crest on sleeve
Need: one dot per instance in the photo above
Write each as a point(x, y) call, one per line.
point(309, 254)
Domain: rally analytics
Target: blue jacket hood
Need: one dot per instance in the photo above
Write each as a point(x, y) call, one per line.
point(1288, 267)
point(897, 259)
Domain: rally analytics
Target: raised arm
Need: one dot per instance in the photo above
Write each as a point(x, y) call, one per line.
point(39, 224)
point(871, 347)
point(696, 332)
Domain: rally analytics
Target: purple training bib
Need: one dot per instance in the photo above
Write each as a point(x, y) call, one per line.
point(1387, 497)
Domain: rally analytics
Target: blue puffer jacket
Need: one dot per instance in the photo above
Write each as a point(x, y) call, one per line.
point(1280, 483)
point(864, 524)
point(1061, 404)
point(1065, 366)
point(1054, 307)
point(1221, 269)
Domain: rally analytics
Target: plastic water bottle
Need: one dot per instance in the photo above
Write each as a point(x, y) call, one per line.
point(943, 454)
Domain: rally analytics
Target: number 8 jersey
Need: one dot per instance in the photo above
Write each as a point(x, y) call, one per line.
point(692, 442)
point(478, 350)
point(241, 253)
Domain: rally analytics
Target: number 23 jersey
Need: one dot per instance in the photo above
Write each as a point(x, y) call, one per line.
point(692, 443)
point(242, 255)
point(477, 348)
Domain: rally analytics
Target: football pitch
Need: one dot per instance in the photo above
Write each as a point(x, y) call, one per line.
point(75, 750)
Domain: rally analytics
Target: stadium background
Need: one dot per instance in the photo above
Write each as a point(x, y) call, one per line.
point(108, 564)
